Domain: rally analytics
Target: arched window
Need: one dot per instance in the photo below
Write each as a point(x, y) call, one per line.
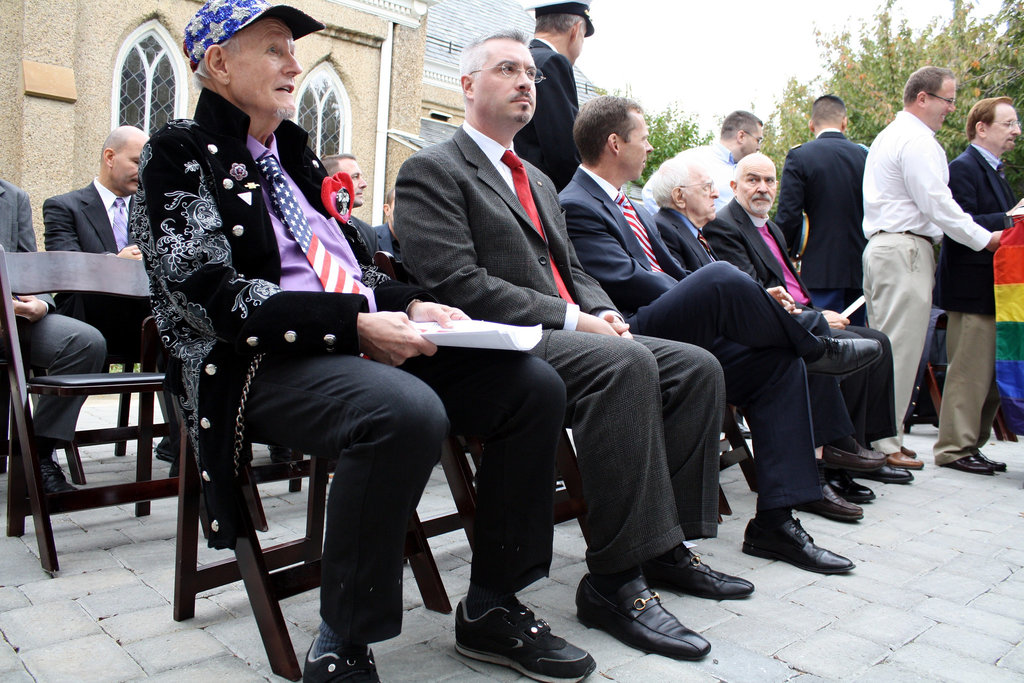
point(150, 87)
point(325, 111)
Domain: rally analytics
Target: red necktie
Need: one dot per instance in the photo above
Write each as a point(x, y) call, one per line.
point(704, 243)
point(522, 185)
point(638, 229)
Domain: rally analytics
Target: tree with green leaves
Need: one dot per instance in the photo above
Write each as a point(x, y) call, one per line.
point(670, 132)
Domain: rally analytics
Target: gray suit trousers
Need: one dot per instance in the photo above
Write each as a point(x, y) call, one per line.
point(640, 413)
point(64, 346)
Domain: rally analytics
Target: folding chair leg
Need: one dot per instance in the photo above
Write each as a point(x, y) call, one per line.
point(251, 494)
point(424, 568)
point(30, 475)
point(295, 485)
point(460, 480)
point(568, 468)
point(265, 606)
point(186, 551)
point(124, 407)
point(74, 458)
point(723, 504)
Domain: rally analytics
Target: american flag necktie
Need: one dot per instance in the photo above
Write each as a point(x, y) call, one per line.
point(332, 276)
point(638, 229)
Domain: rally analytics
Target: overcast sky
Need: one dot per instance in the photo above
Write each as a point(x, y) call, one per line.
point(713, 57)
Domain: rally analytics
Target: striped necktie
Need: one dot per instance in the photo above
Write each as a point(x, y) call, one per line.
point(120, 226)
point(704, 243)
point(332, 276)
point(638, 229)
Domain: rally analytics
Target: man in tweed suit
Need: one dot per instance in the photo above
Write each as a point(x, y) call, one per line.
point(644, 412)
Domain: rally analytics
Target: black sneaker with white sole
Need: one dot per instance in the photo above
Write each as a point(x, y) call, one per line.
point(352, 665)
point(512, 636)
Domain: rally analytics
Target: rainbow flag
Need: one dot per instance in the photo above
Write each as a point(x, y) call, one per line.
point(1009, 289)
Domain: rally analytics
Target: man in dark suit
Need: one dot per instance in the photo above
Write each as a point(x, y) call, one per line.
point(742, 235)
point(823, 179)
point(483, 230)
point(94, 219)
point(964, 288)
point(546, 141)
point(267, 339)
point(347, 163)
point(60, 344)
point(756, 340)
point(386, 240)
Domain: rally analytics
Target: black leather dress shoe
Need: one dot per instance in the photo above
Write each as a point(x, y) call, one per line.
point(166, 451)
point(790, 543)
point(53, 477)
point(638, 619)
point(887, 474)
point(843, 484)
point(994, 464)
point(352, 665)
point(972, 464)
point(690, 575)
point(843, 356)
point(864, 460)
point(833, 506)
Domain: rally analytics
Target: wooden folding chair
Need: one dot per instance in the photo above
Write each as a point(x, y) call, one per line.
point(42, 272)
point(734, 451)
point(274, 573)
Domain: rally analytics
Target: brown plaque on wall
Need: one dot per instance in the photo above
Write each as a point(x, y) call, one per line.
point(51, 82)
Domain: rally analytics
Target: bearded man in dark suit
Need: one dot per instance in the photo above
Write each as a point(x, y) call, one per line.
point(965, 288)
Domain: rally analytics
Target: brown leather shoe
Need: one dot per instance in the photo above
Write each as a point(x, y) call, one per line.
point(907, 452)
point(833, 506)
point(970, 463)
point(863, 460)
point(898, 459)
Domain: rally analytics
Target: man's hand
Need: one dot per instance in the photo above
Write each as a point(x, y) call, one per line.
point(618, 324)
point(602, 325)
point(783, 297)
point(30, 307)
point(426, 311)
point(131, 251)
point(835, 321)
point(389, 338)
point(993, 242)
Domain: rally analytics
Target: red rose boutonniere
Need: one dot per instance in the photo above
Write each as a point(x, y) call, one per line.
point(336, 193)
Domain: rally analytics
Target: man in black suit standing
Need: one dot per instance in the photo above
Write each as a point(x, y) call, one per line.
point(546, 141)
point(823, 178)
point(94, 219)
point(965, 287)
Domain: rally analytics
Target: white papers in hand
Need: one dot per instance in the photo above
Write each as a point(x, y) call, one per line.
point(481, 334)
point(853, 307)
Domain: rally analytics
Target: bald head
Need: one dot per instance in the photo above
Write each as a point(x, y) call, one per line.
point(119, 163)
point(755, 184)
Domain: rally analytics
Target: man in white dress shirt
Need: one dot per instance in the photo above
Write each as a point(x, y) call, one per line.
point(908, 207)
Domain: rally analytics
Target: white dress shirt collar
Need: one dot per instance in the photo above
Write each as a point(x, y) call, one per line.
point(609, 189)
point(827, 130)
point(493, 150)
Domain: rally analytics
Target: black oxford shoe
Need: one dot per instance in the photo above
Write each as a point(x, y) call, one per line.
point(790, 543)
point(843, 356)
point(887, 474)
point(638, 619)
point(969, 463)
point(843, 484)
point(690, 575)
point(53, 477)
point(994, 464)
point(833, 506)
point(352, 665)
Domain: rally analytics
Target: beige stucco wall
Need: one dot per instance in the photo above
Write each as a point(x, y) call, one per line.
point(48, 147)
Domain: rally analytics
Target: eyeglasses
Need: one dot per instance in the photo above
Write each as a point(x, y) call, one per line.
point(759, 138)
point(1008, 124)
point(708, 187)
point(512, 70)
point(951, 101)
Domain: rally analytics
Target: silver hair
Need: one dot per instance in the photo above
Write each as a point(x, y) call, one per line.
point(675, 172)
point(202, 74)
point(474, 55)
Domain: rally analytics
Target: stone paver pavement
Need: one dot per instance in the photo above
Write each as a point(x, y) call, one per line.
point(938, 594)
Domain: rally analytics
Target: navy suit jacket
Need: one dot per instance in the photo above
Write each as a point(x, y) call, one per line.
point(681, 242)
point(546, 141)
point(824, 179)
point(610, 252)
point(964, 278)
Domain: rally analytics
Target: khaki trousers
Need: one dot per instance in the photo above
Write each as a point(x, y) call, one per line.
point(899, 272)
point(970, 398)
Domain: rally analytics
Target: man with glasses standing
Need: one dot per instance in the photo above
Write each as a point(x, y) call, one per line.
point(907, 208)
point(742, 134)
point(546, 141)
point(965, 289)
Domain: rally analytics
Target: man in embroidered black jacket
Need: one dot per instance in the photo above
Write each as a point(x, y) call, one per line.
point(225, 272)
